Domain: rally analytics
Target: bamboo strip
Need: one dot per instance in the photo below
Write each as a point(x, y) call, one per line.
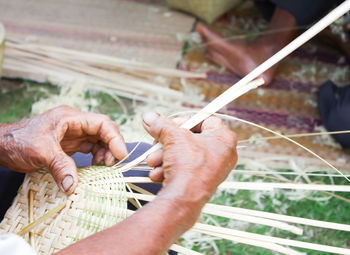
point(237, 93)
point(20, 66)
point(49, 214)
point(30, 216)
point(183, 250)
point(295, 136)
point(267, 215)
point(273, 185)
point(252, 242)
point(113, 77)
point(93, 58)
point(269, 246)
point(285, 218)
point(277, 240)
point(228, 215)
point(263, 172)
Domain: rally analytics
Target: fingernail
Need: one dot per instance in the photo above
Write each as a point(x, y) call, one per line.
point(123, 149)
point(67, 183)
point(149, 117)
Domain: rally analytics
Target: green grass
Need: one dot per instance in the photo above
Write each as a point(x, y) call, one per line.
point(17, 98)
point(333, 210)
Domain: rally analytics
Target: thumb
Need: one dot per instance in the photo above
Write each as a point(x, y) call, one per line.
point(159, 127)
point(64, 171)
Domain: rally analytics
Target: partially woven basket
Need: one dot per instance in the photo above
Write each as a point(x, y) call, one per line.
point(2, 46)
point(207, 10)
point(98, 203)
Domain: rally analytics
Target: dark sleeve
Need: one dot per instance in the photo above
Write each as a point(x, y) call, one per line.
point(334, 107)
point(305, 12)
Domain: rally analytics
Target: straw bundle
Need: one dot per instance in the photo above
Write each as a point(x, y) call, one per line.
point(2, 45)
point(92, 208)
point(127, 78)
point(208, 10)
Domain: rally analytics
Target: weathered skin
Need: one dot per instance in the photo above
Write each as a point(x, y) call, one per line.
point(47, 140)
point(191, 166)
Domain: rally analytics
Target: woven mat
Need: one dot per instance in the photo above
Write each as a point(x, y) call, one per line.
point(288, 104)
point(141, 30)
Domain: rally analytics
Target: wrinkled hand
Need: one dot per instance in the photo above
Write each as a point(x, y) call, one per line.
point(191, 164)
point(47, 140)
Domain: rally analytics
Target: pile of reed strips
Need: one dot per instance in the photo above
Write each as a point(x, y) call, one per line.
point(126, 78)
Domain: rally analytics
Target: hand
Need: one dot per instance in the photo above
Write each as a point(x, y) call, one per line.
point(191, 164)
point(46, 141)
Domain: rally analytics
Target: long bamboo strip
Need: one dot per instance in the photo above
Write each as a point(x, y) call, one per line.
point(295, 136)
point(113, 77)
point(23, 66)
point(230, 94)
point(277, 240)
point(262, 185)
point(237, 93)
point(93, 59)
point(263, 172)
point(267, 215)
point(244, 240)
point(285, 218)
point(253, 242)
point(240, 217)
point(273, 185)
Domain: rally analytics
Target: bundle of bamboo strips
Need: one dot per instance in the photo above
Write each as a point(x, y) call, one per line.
point(126, 78)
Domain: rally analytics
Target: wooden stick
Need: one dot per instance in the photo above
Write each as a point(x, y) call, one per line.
point(230, 94)
point(213, 230)
point(238, 92)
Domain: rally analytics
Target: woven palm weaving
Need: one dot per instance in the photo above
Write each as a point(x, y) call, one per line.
point(98, 203)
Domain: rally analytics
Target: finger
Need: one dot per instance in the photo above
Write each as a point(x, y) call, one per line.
point(107, 131)
point(86, 147)
point(157, 174)
point(95, 148)
point(99, 157)
point(110, 160)
point(211, 123)
point(161, 129)
point(64, 172)
point(155, 159)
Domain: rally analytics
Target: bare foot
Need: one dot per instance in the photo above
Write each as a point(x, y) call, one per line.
point(243, 57)
point(239, 57)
